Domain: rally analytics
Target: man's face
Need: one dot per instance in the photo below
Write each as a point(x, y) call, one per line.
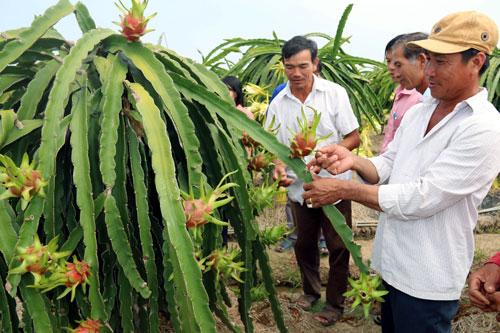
point(299, 69)
point(448, 76)
point(408, 73)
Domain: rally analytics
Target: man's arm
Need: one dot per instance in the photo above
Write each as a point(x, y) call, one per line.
point(325, 191)
point(351, 141)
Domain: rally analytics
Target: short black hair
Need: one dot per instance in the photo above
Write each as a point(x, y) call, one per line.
point(298, 44)
point(468, 54)
point(409, 53)
point(233, 83)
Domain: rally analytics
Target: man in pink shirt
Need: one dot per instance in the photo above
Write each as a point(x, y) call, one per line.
point(406, 66)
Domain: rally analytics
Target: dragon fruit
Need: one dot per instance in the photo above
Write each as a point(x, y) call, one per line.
point(133, 22)
point(198, 211)
point(305, 140)
point(38, 259)
point(70, 275)
point(20, 182)
point(87, 326)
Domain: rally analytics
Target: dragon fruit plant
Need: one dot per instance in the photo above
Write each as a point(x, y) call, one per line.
point(114, 129)
point(305, 140)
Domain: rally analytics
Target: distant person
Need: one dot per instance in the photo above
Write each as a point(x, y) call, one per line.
point(484, 286)
point(304, 91)
point(430, 181)
point(236, 92)
point(406, 66)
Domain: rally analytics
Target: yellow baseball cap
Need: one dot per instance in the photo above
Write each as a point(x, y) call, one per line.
point(461, 31)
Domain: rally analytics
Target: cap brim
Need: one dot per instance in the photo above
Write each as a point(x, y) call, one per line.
point(437, 46)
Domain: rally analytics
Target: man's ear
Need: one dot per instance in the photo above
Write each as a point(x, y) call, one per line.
point(315, 64)
point(422, 59)
point(478, 60)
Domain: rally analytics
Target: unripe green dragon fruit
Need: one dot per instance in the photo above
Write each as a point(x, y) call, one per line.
point(22, 182)
point(38, 259)
point(223, 262)
point(365, 292)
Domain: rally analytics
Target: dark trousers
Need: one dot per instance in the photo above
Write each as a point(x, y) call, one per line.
point(309, 223)
point(404, 313)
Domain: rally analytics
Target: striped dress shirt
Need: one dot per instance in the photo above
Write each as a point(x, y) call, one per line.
point(431, 187)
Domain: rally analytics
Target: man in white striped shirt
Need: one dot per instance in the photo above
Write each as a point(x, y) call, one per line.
point(430, 181)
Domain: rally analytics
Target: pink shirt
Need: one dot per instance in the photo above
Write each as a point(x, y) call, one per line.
point(403, 101)
point(495, 259)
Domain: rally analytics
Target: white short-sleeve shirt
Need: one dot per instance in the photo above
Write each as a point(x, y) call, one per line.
point(337, 120)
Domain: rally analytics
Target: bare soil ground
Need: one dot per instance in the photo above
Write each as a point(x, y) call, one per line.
point(287, 278)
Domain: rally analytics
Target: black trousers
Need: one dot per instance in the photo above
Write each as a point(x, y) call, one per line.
point(309, 223)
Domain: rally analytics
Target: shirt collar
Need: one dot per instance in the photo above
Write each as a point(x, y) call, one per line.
point(475, 102)
point(318, 84)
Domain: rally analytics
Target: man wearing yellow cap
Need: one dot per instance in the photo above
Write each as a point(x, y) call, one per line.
point(430, 181)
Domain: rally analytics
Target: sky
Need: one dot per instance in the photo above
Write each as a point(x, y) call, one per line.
point(190, 26)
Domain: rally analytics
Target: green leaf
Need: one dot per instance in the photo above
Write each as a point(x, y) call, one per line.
point(84, 200)
point(121, 246)
point(83, 17)
point(16, 134)
point(340, 30)
point(191, 297)
point(155, 73)
point(8, 234)
point(59, 94)
point(142, 208)
point(38, 28)
point(112, 105)
point(35, 90)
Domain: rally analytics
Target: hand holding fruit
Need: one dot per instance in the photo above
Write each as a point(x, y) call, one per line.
point(335, 159)
point(280, 173)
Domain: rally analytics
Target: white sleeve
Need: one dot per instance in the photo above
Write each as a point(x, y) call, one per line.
point(469, 163)
point(345, 120)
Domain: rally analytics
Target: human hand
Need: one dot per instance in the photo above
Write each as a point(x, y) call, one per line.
point(280, 173)
point(483, 285)
point(333, 158)
point(324, 191)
